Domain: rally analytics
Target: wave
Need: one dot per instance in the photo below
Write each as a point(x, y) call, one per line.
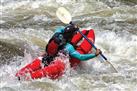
point(27, 25)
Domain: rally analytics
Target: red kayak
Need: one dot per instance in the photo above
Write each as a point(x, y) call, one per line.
point(56, 69)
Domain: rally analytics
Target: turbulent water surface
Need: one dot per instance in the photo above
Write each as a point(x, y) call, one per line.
point(27, 25)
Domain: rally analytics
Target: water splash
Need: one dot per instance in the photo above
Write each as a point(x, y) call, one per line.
point(31, 22)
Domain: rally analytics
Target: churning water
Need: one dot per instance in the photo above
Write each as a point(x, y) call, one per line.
point(27, 25)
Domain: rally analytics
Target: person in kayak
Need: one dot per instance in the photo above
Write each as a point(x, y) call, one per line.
point(65, 39)
point(62, 40)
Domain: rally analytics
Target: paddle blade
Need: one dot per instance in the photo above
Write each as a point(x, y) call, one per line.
point(63, 15)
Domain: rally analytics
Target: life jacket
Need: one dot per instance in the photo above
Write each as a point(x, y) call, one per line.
point(55, 44)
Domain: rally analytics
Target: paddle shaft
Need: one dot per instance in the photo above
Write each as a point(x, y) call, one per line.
point(96, 49)
point(91, 44)
point(65, 17)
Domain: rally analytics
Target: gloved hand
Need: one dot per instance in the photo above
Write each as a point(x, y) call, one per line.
point(98, 51)
point(47, 60)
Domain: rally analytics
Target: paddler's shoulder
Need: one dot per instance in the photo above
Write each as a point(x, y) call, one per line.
point(59, 29)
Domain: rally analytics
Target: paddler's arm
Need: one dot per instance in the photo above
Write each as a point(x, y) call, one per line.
point(75, 54)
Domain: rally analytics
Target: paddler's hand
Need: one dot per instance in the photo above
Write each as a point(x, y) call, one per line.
point(98, 51)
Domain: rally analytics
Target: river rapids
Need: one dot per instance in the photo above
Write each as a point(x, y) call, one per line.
point(27, 25)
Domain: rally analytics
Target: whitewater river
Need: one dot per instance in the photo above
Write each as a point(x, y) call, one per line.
point(27, 25)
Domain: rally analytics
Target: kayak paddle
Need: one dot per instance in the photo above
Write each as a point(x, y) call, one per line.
point(66, 18)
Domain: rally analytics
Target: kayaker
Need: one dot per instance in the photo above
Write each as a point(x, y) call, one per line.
point(61, 40)
point(64, 40)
